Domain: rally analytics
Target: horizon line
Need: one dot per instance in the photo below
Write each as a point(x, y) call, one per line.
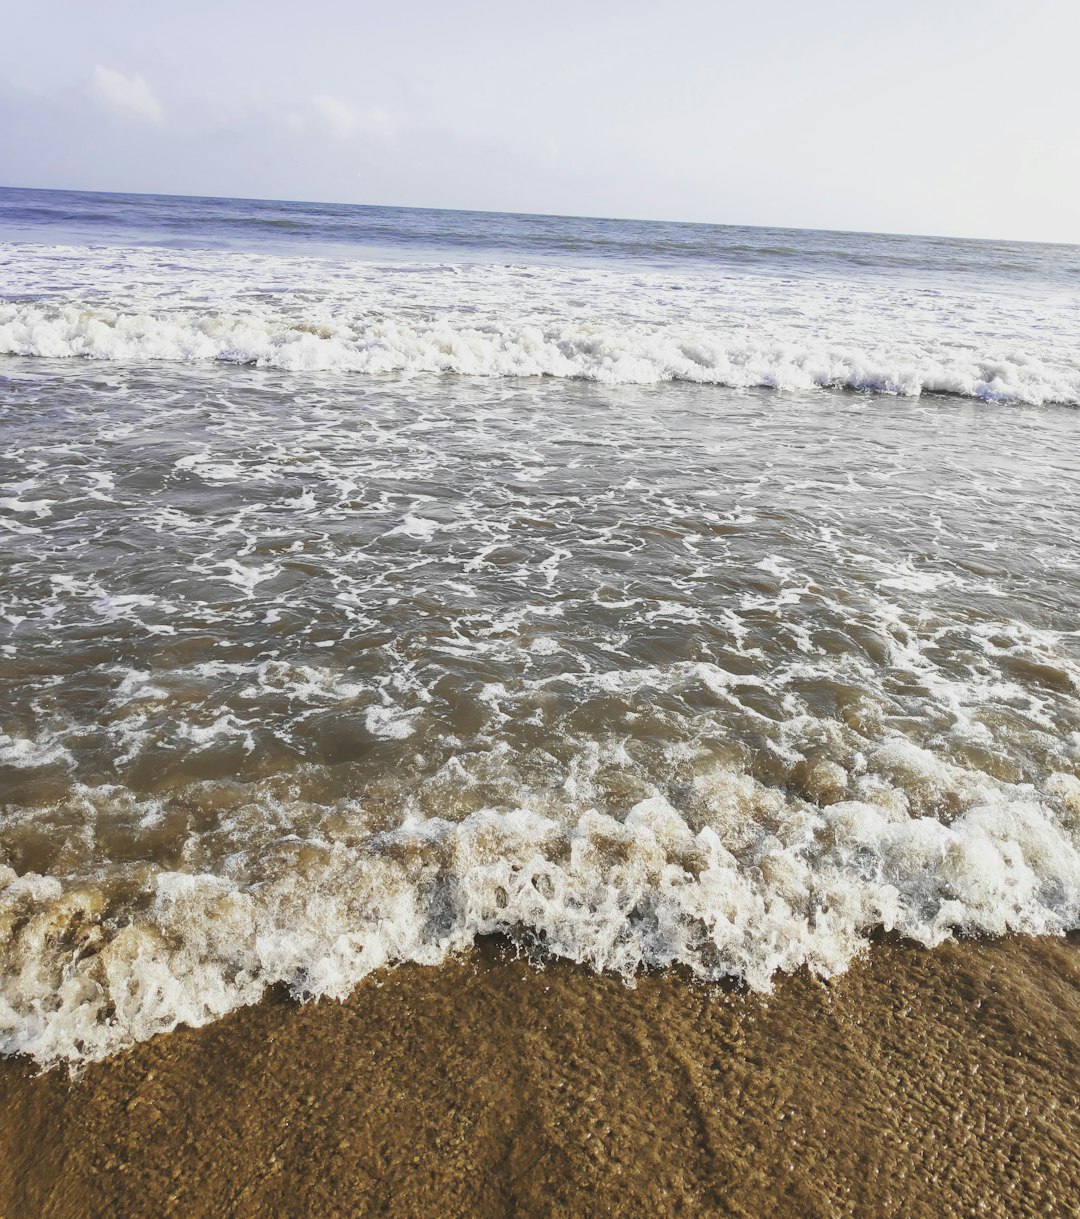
point(412, 207)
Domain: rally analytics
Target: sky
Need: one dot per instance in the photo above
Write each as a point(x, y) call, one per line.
point(952, 117)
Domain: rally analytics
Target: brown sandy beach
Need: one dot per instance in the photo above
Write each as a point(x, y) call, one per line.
point(920, 1083)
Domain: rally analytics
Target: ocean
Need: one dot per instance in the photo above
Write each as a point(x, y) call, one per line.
point(651, 595)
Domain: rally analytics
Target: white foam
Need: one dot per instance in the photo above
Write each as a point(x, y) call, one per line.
point(27, 754)
point(752, 883)
point(497, 321)
point(388, 722)
point(418, 527)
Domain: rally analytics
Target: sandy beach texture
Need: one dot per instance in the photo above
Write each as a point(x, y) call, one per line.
point(920, 1083)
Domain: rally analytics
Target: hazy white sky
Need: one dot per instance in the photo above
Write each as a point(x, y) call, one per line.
point(935, 116)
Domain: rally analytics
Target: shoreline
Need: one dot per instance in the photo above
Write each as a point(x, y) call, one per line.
point(921, 1082)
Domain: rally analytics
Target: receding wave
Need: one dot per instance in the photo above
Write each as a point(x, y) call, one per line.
point(606, 353)
point(295, 690)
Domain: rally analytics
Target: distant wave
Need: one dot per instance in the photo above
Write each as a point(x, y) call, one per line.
point(608, 352)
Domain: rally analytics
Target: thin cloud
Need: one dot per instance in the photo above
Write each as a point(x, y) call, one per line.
point(129, 96)
point(345, 122)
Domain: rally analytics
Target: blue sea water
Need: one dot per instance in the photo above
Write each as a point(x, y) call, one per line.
point(349, 230)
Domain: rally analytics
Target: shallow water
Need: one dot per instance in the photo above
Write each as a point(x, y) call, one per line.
point(307, 669)
point(917, 1084)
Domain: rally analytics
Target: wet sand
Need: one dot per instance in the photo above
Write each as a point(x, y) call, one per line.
point(920, 1083)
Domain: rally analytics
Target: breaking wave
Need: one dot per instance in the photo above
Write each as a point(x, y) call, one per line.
point(611, 354)
point(613, 324)
point(752, 882)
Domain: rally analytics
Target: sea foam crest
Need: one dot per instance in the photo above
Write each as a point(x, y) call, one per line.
point(612, 354)
point(613, 324)
point(769, 883)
